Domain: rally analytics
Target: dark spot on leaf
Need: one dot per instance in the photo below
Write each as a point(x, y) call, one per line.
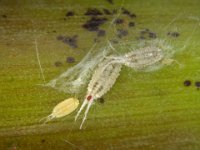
point(94, 23)
point(4, 16)
point(125, 11)
point(43, 140)
point(71, 41)
point(114, 41)
point(106, 11)
point(93, 12)
point(58, 64)
point(101, 100)
point(110, 1)
point(173, 34)
point(60, 37)
point(128, 13)
point(54, 31)
point(131, 24)
point(144, 31)
point(121, 33)
point(142, 38)
point(70, 60)
point(96, 40)
point(114, 11)
point(132, 15)
point(152, 35)
point(101, 33)
point(187, 83)
point(69, 13)
point(197, 84)
point(118, 21)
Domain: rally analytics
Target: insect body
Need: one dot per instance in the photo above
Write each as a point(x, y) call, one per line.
point(143, 57)
point(63, 108)
point(102, 80)
point(146, 58)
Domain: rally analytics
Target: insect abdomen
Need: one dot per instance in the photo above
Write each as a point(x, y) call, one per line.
point(143, 57)
point(103, 79)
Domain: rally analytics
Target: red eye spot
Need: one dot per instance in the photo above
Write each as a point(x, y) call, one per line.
point(89, 97)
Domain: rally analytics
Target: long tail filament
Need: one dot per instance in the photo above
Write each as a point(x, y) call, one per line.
point(88, 103)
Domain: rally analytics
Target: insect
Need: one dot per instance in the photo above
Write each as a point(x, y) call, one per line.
point(107, 72)
point(102, 80)
point(145, 58)
point(62, 109)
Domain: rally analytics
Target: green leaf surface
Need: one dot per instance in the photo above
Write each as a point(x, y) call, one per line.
point(143, 111)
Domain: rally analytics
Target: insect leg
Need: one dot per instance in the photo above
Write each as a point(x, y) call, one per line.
point(82, 106)
point(86, 112)
point(170, 61)
point(47, 119)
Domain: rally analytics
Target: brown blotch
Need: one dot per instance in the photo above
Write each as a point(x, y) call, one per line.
point(43, 141)
point(122, 32)
point(187, 83)
point(101, 33)
point(144, 31)
point(152, 35)
point(141, 38)
point(132, 15)
point(110, 1)
point(114, 41)
point(131, 24)
point(125, 11)
point(93, 12)
point(71, 41)
point(197, 84)
point(58, 64)
point(97, 40)
point(4, 16)
point(128, 13)
point(101, 100)
point(94, 23)
point(70, 60)
point(114, 11)
point(173, 34)
point(106, 11)
point(70, 13)
point(60, 37)
point(119, 21)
